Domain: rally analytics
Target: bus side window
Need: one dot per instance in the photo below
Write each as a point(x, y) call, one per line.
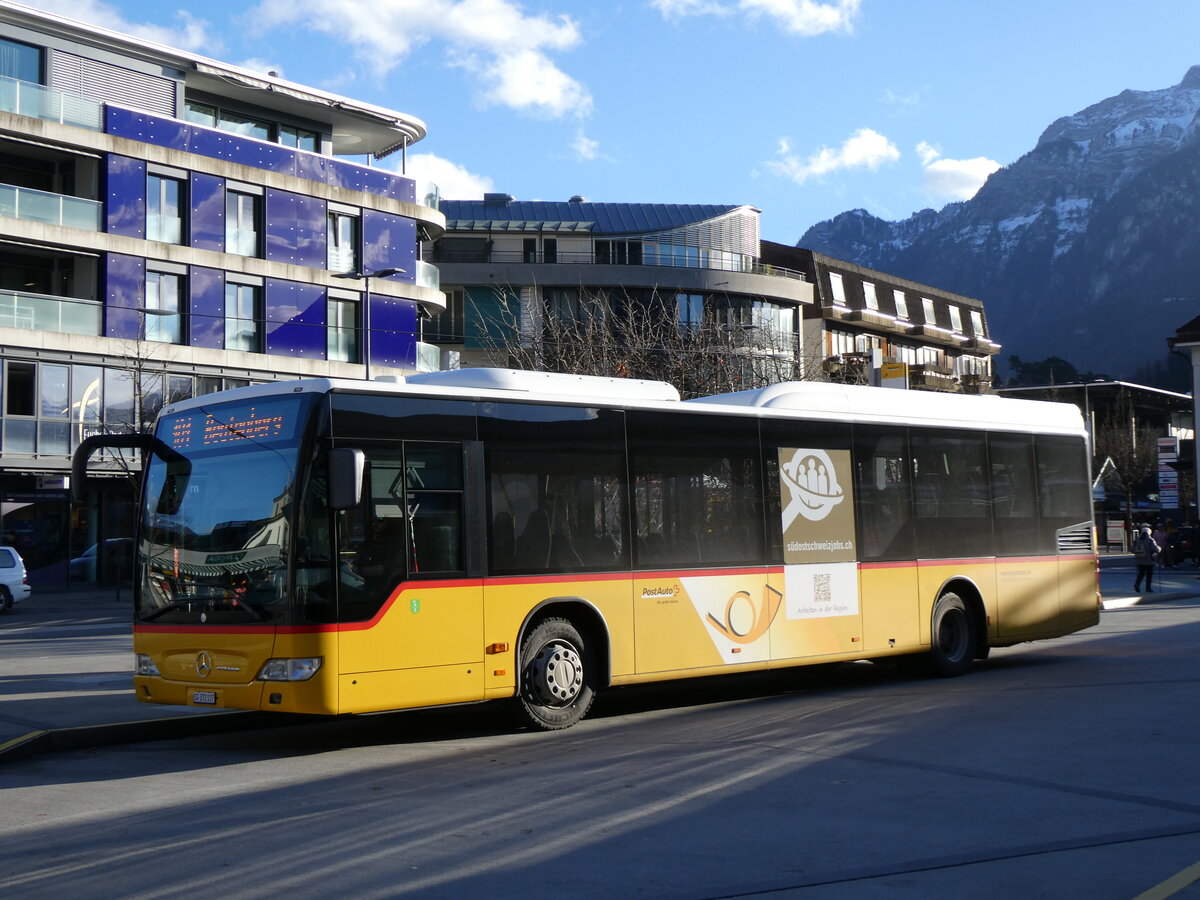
point(883, 493)
point(433, 477)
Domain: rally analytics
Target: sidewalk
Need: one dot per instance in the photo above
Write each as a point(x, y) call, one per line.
point(1117, 574)
point(66, 663)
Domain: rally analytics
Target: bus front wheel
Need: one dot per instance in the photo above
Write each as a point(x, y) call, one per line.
point(557, 676)
point(954, 637)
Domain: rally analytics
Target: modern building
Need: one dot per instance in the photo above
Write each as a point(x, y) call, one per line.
point(506, 264)
point(172, 225)
point(867, 324)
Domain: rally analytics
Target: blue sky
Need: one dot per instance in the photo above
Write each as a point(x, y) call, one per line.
point(803, 108)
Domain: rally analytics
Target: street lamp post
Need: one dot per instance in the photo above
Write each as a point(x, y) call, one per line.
point(365, 277)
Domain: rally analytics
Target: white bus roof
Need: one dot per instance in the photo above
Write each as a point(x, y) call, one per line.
point(816, 400)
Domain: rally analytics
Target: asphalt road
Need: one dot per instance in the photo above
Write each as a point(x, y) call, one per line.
point(1065, 768)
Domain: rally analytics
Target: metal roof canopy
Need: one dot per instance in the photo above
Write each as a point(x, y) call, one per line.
point(602, 218)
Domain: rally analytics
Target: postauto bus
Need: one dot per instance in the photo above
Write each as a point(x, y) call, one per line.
point(332, 547)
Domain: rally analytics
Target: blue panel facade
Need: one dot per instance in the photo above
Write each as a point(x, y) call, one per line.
point(207, 212)
point(296, 229)
point(206, 307)
point(393, 331)
point(389, 241)
point(126, 188)
point(295, 319)
point(124, 295)
point(151, 129)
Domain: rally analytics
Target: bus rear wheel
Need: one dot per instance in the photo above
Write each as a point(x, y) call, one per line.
point(954, 637)
point(558, 676)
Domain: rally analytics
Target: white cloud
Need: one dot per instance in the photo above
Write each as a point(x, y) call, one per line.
point(505, 49)
point(190, 34)
point(454, 181)
point(865, 149)
point(585, 148)
point(802, 17)
point(953, 179)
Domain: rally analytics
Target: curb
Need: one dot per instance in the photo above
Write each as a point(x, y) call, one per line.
point(56, 740)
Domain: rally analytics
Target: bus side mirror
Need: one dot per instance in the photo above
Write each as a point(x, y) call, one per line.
point(346, 468)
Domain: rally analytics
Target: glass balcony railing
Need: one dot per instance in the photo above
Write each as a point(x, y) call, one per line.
point(53, 209)
point(428, 275)
point(428, 194)
point(28, 99)
point(41, 312)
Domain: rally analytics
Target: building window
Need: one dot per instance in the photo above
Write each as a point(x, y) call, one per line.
point(342, 242)
point(690, 310)
point(977, 324)
point(300, 138)
point(620, 253)
point(20, 61)
point(901, 304)
point(234, 123)
point(927, 311)
point(550, 250)
point(869, 297)
point(243, 213)
point(164, 209)
point(955, 319)
point(164, 295)
point(837, 289)
point(243, 317)
point(529, 250)
point(342, 334)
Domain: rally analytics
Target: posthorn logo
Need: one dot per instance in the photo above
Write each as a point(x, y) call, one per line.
point(812, 482)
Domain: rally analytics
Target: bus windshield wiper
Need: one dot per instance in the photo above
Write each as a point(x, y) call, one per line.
point(185, 602)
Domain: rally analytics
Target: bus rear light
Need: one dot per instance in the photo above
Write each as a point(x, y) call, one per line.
point(289, 669)
point(144, 665)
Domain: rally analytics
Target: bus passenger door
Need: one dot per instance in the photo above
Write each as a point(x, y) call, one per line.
point(411, 620)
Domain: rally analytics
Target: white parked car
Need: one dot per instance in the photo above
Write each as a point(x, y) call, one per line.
point(14, 583)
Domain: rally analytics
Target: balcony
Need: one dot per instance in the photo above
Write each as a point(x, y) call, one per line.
point(976, 384)
point(483, 254)
point(27, 99)
point(930, 377)
point(428, 194)
point(41, 312)
point(51, 209)
point(428, 275)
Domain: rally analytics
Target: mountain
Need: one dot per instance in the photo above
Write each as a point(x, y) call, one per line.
point(1086, 248)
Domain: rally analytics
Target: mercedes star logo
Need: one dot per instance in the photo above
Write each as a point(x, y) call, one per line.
point(203, 663)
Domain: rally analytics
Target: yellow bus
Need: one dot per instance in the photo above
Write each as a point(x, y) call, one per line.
point(336, 547)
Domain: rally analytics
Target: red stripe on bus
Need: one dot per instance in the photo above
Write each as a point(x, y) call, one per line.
point(566, 577)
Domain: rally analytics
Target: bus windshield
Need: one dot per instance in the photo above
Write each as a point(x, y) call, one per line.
point(215, 524)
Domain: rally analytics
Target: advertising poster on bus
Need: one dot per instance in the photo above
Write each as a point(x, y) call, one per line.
point(817, 502)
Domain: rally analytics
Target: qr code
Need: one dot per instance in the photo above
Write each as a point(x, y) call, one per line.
point(822, 588)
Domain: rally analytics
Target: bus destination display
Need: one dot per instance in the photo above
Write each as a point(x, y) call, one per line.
point(244, 423)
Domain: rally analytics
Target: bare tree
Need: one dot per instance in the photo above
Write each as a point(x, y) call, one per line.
point(1131, 448)
point(591, 333)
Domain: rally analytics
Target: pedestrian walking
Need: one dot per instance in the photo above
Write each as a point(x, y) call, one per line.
point(1145, 551)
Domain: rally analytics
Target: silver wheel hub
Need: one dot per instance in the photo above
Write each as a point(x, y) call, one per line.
point(556, 674)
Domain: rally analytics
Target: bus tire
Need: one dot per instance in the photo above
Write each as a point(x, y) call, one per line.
point(953, 637)
point(558, 676)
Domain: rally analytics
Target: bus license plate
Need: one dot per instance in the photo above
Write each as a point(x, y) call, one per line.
point(204, 698)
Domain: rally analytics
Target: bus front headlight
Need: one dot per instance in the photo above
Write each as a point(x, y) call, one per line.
point(289, 669)
point(144, 665)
